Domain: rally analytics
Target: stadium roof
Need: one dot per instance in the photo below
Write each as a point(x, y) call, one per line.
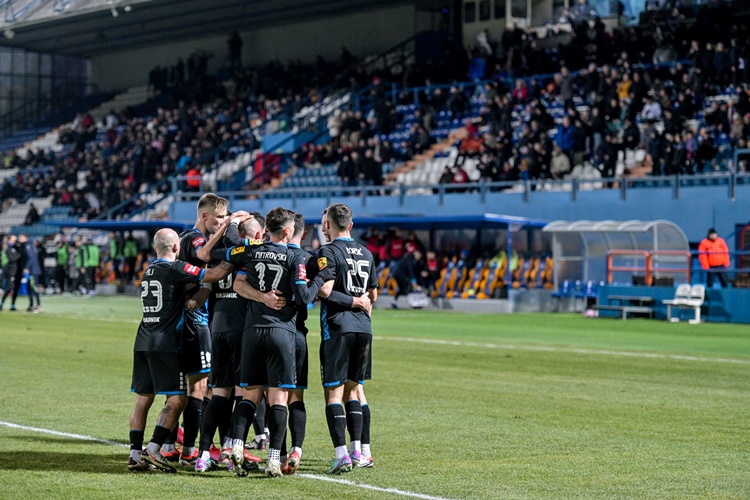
point(446, 221)
point(85, 28)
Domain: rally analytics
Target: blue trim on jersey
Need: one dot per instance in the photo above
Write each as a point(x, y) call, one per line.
point(344, 239)
point(244, 273)
point(172, 393)
point(243, 385)
point(227, 255)
point(161, 259)
point(203, 273)
point(245, 242)
point(205, 370)
point(293, 245)
point(332, 384)
point(181, 323)
point(323, 323)
point(361, 382)
point(301, 387)
point(300, 282)
point(277, 244)
point(286, 386)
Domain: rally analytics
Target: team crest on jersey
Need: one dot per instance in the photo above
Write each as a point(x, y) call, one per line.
point(302, 272)
point(322, 262)
point(237, 250)
point(199, 242)
point(191, 269)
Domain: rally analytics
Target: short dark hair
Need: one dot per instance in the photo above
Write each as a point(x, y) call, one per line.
point(278, 218)
point(261, 220)
point(299, 224)
point(339, 215)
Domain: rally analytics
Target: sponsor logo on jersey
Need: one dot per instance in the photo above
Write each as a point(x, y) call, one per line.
point(237, 250)
point(302, 272)
point(191, 269)
point(199, 242)
point(322, 263)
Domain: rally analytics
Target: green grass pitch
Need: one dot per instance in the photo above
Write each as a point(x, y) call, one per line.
point(463, 406)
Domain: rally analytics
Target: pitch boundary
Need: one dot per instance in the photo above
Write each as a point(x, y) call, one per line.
point(573, 350)
point(345, 482)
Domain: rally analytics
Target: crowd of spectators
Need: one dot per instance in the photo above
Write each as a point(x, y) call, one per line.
point(610, 102)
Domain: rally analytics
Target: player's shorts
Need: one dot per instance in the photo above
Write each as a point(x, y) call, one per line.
point(268, 358)
point(300, 353)
point(226, 352)
point(196, 349)
point(345, 357)
point(157, 372)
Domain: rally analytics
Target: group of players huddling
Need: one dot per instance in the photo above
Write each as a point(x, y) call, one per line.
point(258, 279)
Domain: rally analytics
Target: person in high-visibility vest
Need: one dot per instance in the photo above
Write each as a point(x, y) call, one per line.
point(61, 265)
point(713, 255)
point(115, 253)
point(130, 252)
point(91, 264)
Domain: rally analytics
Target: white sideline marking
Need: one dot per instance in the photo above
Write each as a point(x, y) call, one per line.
point(371, 487)
point(62, 434)
point(631, 354)
point(346, 482)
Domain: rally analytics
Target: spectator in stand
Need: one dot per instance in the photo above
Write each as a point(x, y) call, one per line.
point(713, 254)
point(405, 272)
point(32, 216)
point(430, 272)
point(565, 136)
point(395, 245)
point(560, 165)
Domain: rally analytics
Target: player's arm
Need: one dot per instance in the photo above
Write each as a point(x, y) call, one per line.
point(199, 298)
point(304, 291)
point(217, 273)
point(232, 234)
point(204, 252)
point(272, 299)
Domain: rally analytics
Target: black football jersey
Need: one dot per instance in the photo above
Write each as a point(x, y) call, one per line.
point(163, 300)
point(270, 266)
point(190, 242)
point(305, 257)
point(228, 311)
point(354, 269)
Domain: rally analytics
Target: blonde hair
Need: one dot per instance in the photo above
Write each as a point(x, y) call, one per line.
point(213, 202)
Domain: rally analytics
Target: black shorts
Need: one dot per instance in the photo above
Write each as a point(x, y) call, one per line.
point(300, 354)
point(196, 349)
point(157, 372)
point(345, 357)
point(268, 358)
point(226, 352)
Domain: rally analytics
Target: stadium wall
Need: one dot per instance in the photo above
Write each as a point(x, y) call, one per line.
point(363, 33)
point(696, 209)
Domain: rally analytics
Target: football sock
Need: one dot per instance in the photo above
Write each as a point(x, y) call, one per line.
point(365, 425)
point(224, 418)
point(341, 452)
point(283, 446)
point(336, 419)
point(191, 422)
point(259, 423)
point(171, 439)
point(354, 420)
point(273, 454)
point(157, 439)
point(216, 408)
point(136, 440)
point(366, 451)
point(277, 424)
point(297, 423)
point(243, 419)
point(228, 435)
